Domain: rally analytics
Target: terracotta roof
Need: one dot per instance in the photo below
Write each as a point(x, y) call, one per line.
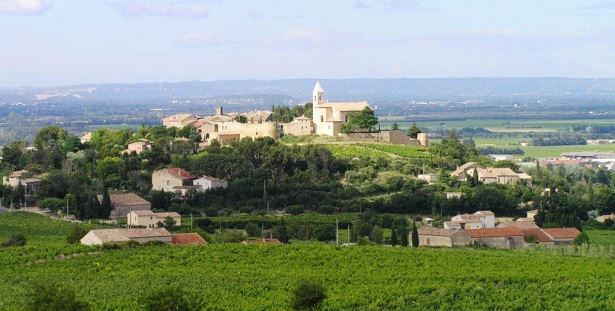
point(518, 224)
point(188, 239)
point(562, 233)
point(538, 234)
point(179, 117)
point(437, 231)
point(179, 172)
point(494, 232)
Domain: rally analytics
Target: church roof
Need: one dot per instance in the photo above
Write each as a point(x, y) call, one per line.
point(345, 106)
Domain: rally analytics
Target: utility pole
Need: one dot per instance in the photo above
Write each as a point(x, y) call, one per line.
point(337, 233)
point(191, 223)
point(348, 234)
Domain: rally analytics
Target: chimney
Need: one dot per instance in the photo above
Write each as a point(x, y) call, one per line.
point(219, 110)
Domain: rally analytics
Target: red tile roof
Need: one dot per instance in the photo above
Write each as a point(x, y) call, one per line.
point(562, 233)
point(538, 234)
point(180, 173)
point(494, 232)
point(188, 239)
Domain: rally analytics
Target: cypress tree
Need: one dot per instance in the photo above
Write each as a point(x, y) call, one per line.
point(415, 235)
point(394, 237)
point(475, 177)
point(404, 236)
point(105, 205)
point(538, 171)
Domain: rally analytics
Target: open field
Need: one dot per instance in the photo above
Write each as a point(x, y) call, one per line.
point(504, 125)
point(239, 277)
point(540, 151)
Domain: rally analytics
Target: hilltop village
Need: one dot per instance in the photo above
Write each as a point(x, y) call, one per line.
point(327, 118)
point(253, 176)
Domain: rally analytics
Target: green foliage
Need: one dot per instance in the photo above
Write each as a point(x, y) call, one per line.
point(51, 296)
point(168, 299)
point(581, 239)
point(53, 204)
point(364, 121)
point(16, 239)
point(76, 234)
point(413, 131)
point(308, 295)
point(253, 230)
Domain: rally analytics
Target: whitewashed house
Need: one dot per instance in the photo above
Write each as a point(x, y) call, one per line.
point(147, 218)
point(208, 182)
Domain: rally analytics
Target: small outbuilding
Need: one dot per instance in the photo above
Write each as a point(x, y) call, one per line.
point(107, 236)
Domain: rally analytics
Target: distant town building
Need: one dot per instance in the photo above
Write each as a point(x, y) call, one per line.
point(454, 195)
point(86, 137)
point(603, 218)
point(107, 236)
point(180, 181)
point(179, 120)
point(138, 146)
point(501, 157)
point(299, 126)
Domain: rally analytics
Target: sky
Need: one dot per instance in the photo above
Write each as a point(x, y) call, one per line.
point(65, 42)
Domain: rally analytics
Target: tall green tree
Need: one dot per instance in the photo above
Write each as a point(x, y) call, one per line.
point(414, 131)
point(415, 235)
point(105, 205)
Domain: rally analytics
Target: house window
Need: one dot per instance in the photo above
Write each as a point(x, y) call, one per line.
point(322, 119)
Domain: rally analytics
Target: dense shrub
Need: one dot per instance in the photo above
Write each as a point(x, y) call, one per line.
point(52, 204)
point(308, 295)
point(46, 297)
point(16, 239)
point(76, 234)
point(167, 299)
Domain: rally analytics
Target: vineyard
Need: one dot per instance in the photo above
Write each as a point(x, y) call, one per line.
point(375, 151)
point(239, 277)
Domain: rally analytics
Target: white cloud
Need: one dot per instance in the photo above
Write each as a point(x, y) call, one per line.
point(24, 7)
point(181, 9)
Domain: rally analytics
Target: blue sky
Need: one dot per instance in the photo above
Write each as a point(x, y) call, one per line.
point(60, 42)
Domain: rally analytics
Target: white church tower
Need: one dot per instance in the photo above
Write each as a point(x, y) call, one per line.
point(317, 114)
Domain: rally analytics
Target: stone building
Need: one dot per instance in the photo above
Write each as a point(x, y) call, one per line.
point(328, 117)
point(124, 203)
point(497, 237)
point(300, 126)
point(179, 120)
point(430, 236)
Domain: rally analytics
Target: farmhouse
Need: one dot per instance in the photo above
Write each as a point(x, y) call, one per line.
point(430, 236)
point(177, 180)
point(502, 176)
point(521, 223)
point(429, 178)
point(147, 218)
point(478, 220)
point(497, 237)
point(603, 218)
point(188, 239)
point(16, 178)
point(105, 236)
point(172, 179)
point(138, 146)
point(123, 203)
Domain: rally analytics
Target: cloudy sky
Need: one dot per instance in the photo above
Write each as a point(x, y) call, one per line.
point(59, 42)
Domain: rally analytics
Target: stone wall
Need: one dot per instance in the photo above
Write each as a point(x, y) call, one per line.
point(390, 136)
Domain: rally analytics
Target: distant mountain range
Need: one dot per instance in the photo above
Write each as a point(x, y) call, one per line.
point(299, 90)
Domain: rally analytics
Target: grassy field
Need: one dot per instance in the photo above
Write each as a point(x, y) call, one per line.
point(239, 277)
point(540, 151)
point(602, 237)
